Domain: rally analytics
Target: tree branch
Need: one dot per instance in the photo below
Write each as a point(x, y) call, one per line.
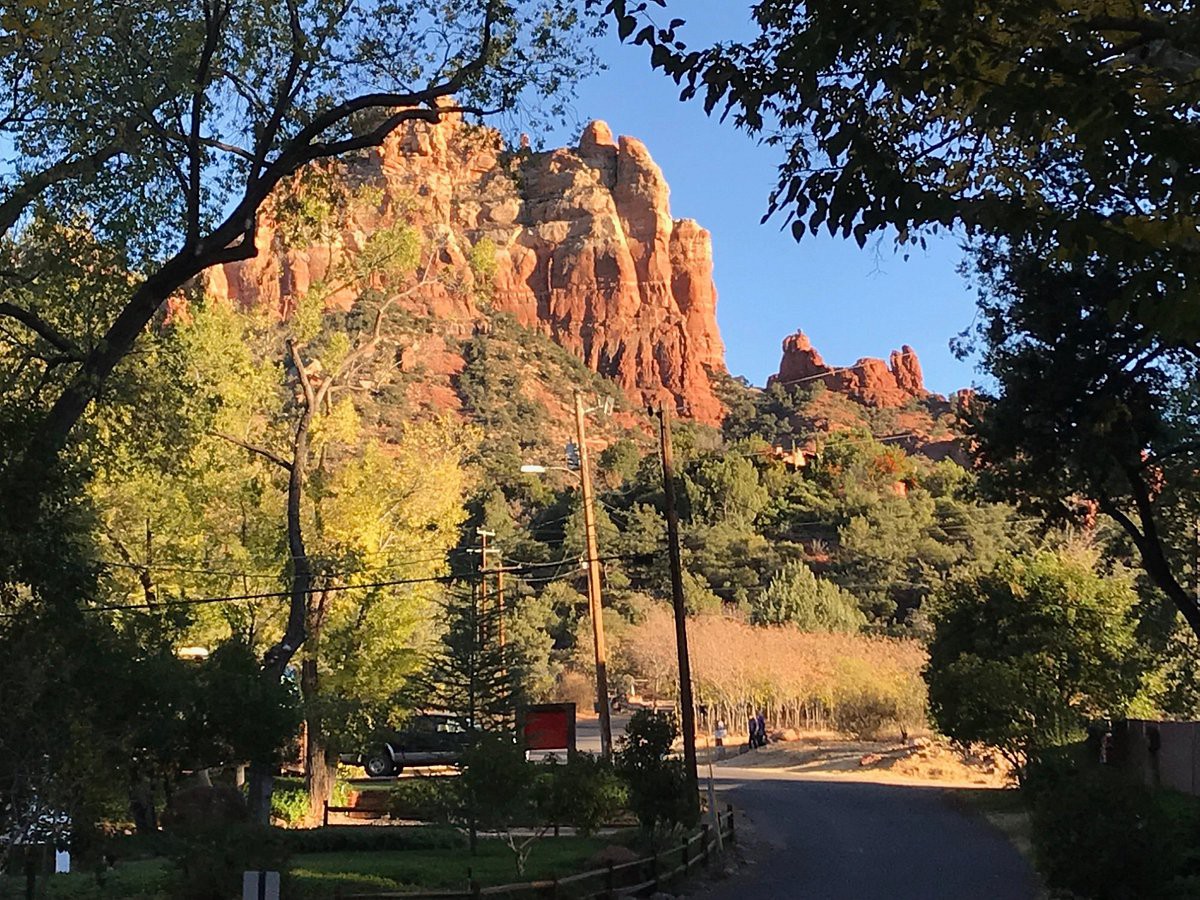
point(43, 329)
point(63, 170)
point(197, 255)
point(213, 20)
point(264, 452)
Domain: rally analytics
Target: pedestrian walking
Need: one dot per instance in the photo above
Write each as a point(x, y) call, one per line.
point(752, 727)
point(761, 721)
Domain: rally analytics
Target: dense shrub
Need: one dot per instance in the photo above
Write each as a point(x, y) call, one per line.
point(584, 793)
point(1024, 654)
point(289, 800)
point(1100, 836)
point(210, 860)
point(659, 794)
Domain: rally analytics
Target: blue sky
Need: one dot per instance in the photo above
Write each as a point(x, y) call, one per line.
point(851, 302)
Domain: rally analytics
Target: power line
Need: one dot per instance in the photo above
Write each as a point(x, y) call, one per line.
point(396, 582)
point(167, 567)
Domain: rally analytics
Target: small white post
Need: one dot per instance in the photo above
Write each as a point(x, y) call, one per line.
point(260, 886)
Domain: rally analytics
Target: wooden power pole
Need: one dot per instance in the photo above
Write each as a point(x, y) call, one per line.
point(593, 575)
point(687, 707)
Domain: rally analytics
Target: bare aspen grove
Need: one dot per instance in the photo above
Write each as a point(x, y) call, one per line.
point(863, 685)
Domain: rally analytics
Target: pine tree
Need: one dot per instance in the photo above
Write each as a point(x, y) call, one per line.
point(469, 673)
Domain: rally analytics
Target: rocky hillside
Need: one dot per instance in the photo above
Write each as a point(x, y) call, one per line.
point(584, 250)
point(870, 381)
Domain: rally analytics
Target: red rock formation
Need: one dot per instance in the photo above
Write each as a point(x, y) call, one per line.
point(870, 381)
point(586, 251)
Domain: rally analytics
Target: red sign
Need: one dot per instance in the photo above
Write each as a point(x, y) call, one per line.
point(549, 726)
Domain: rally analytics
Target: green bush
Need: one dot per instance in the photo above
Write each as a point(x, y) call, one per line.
point(425, 799)
point(210, 861)
point(289, 803)
point(1100, 836)
point(585, 793)
point(658, 786)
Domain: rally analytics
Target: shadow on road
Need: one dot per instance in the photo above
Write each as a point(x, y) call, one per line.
point(815, 837)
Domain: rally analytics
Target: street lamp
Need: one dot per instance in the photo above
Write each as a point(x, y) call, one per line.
point(595, 607)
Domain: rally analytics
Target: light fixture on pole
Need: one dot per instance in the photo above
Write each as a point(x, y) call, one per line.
point(577, 456)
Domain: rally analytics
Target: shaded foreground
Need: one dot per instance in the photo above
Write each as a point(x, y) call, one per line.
point(817, 837)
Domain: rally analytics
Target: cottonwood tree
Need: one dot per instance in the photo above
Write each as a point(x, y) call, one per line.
point(162, 129)
point(340, 489)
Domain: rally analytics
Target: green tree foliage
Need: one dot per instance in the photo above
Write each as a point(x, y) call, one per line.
point(1009, 118)
point(795, 596)
point(724, 489)
point(658, 786)
point(106, 715)
point(1095, 409)
point(1024, 655)
point(208, 108)
point(468, 672)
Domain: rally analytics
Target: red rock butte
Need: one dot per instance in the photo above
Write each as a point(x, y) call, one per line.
point(870, 381)
point(586, 251)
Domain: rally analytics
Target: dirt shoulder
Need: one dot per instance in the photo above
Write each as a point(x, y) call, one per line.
point(926, 760)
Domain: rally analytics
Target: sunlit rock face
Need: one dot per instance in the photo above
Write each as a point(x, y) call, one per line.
point(884, 385)
point(585, 248)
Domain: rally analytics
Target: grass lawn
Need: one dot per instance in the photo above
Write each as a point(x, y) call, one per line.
point(315, 876)
point(142, 879)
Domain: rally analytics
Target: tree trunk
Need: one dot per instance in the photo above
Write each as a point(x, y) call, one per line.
point(262, 786)
point(141, 805)
point(320, 768)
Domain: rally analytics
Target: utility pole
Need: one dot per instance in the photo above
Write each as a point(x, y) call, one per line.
point(500, 602)
point(483, 550)
point(593, 574)
point(686, 704)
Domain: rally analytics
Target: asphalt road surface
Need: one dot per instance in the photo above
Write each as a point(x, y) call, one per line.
point(587, 731)
point(843, 840)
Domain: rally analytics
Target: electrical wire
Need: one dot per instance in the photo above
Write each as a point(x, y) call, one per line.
point(272, 595)
point(153, 567)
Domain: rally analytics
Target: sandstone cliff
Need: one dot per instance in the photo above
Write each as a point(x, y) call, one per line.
point(585, 251)
point(870, 381)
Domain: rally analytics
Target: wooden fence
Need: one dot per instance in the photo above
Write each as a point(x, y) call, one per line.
point(640, 876)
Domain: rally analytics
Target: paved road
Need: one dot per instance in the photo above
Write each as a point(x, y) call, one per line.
point(587, 731)
point(841, 840)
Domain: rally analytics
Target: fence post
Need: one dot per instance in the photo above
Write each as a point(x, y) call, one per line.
point(683, 852)
point(654, 871)
point(474, 888)
point(704, 843)
point(325, 815)
point(610, 883)
point(732, 834)
point(554, 892)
